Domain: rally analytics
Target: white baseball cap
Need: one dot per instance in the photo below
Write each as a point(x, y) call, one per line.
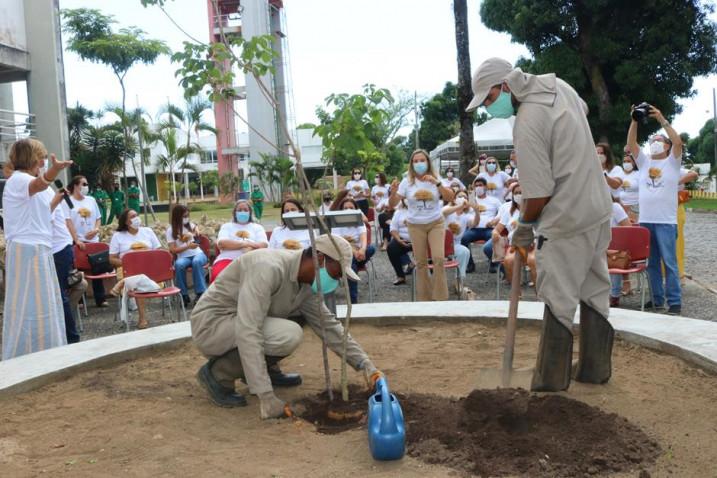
point(490, 73)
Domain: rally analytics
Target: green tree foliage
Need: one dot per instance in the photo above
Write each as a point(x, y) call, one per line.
point(360, 130)
point(613, 52)
point(439, 118)
point(702, 148)
point(91, 37)
point(275, 175)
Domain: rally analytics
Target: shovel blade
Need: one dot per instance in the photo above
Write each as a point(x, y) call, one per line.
point(492, 378)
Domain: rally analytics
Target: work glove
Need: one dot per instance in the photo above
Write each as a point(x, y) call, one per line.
point(371, 372)
point(523, 236)
point(271, 407)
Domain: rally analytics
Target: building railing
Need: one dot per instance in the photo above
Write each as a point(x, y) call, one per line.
point(16, 125)
point(228, 20)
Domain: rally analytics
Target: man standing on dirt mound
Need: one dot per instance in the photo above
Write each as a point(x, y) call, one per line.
point(243, 322)
point(566, 202)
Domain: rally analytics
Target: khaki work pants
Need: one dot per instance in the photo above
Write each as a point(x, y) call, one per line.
point(574, 269)
point(423, 236)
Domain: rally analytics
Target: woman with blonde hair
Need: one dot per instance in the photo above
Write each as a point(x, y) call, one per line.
point(33, 316)
point(423, 190)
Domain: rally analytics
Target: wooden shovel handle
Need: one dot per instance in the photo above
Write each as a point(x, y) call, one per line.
point(512, 323)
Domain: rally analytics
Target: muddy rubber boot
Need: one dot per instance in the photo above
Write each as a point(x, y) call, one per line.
point(217, 377)
point(553, 367)
point(279, 378)
point(596, 338)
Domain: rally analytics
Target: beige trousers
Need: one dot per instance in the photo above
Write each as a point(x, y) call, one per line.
point(574, 269)
point(424, 236)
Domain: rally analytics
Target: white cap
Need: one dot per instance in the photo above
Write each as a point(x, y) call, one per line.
point(344, 252)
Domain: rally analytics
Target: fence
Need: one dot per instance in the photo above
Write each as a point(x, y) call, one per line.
point(702, 195)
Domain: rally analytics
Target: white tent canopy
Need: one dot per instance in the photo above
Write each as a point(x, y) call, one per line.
point(494, 135)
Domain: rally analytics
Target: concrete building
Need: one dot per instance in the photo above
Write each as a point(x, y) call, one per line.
point(249, 18)
point(31, 57)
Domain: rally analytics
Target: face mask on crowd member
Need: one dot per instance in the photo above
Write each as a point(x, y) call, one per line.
point(627, 166)
point(657, 146)
point(357, 175)
point(449, 174)
point(518, 199)
point(242, 217)
point(501, 106)
point(602, 158)
point(136, 222)
point(420, 167)
point(480, 190)
point(491, 166)
point(85, 190)
point(185, 220)
point(461, 200)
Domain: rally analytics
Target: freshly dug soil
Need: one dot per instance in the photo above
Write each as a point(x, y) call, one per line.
point(149, 417)
point(512, 432)
point(336, 416)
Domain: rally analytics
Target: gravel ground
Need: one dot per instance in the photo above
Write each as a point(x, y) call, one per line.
point(698, 301)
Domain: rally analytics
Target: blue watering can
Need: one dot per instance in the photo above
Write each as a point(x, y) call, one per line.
point(386, 431)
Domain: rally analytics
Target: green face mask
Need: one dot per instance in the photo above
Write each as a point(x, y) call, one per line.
point(502, 107)
point(328, 283)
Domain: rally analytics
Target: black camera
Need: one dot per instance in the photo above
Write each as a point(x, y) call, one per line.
point(642, 112)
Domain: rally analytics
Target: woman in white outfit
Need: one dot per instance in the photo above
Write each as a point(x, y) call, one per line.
point(284, 238)
point(33, 317)
point(459, 218)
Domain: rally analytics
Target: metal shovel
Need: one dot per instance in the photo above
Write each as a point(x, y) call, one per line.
point(507, 377)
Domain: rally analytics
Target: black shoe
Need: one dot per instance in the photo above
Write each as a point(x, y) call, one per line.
point(222, 396)
point(493, 268)
point(470, 269)
point(675, 309)
point(186, 300)
point(279, 378)
point(648, 305)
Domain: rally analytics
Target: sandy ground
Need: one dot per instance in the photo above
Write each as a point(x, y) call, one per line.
point(149, 417)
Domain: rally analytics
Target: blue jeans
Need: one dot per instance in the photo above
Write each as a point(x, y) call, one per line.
point(472, 235)
point(353, 285)
point(197, 263)
point(663, 240)
point(64, 263)
point(615, 285)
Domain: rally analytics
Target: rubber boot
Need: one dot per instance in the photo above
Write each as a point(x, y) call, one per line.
point(553, 367)
point(596, 338)
point(279, 378)
point(217, 377)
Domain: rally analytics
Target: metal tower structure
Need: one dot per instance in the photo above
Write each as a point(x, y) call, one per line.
point(250, 18)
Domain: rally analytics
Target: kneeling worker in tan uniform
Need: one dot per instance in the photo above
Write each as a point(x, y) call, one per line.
point(565, 200)
point(243, 322)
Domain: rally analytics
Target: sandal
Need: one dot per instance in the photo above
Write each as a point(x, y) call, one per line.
point(142, 325)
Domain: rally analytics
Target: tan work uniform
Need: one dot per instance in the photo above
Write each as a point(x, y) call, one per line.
point(247, 307)
point(558, 160)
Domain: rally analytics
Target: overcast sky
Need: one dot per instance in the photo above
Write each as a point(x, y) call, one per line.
point(335, 46)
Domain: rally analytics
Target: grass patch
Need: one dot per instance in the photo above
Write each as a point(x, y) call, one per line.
point(704, 204)
point(223, 212)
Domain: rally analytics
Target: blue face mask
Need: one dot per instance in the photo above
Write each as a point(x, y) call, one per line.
point(490, 167)
point(502, 107)
point(328, 283)
point(242, 216)
point(420, 168)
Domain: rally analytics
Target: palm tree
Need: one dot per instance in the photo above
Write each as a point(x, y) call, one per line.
point(167, 161)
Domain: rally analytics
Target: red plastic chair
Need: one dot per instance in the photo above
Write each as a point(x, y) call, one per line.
point(82, 263)
point(636, 241)
point(371, 215)
point(156, 264)
point(448, 251)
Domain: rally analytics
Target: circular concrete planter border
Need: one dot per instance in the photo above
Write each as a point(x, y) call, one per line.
point(694, 341)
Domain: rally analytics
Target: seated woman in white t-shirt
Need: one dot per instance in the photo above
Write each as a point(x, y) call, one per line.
point(238, 237)
point(619, 218)
point(495, 179)
point(183, 241)
point(508, 222)
point(357, 236)
point(32, 321)
point(451, 181)
point(630, 187)
point(400, 244)
point(284, 238)
point(460, 218)
point(131, 236)
point(358, 190)
point(612, 172)
point(84, 225)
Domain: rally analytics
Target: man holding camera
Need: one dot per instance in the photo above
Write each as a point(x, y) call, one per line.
point(565, 200)
point(659, 181)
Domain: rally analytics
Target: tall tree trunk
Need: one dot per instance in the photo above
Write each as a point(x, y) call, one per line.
point(595, 76)
point(126, 142)
point(465, 94)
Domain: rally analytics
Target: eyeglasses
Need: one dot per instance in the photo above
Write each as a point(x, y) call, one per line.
point(84, 184)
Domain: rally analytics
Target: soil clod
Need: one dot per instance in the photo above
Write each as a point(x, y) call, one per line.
point(337, 416)
point(512, 432)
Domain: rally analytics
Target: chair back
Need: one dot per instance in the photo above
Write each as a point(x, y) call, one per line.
point(368, 233)
point(371, 214)
point(268, 235)
point(155, 264)
point(448, 247)
point(634, 239)
point(205, 244)
point(81, 261)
